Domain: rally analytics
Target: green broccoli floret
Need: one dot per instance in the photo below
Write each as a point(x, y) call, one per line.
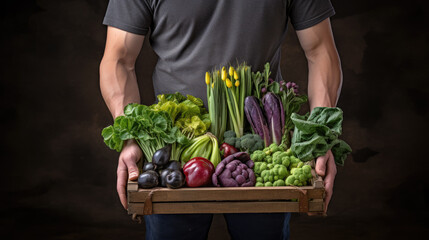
point(268, 184)
point(231, 139)
point(259, 184)
point(281, 158)
point(259, 167)
point(289, 152)
point(279, 182)
point(267, 176)
point(272, 174)
point(257, 156)
point(251, 142)
point(229, 134)
point(272, 149)
point(280, 171)
point(294, 162)
point(300, 176)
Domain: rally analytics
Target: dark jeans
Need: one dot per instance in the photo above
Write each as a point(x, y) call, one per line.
point(246, 226)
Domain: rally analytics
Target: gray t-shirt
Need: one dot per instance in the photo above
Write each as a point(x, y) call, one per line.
point(191, 37)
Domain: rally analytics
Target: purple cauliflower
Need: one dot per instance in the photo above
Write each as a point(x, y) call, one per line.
point(235, 171)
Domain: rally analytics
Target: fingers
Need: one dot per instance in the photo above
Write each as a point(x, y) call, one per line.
point(121, 183)
point(127, 169)
point(331, 172)
point(133, 171)
point(321, 164)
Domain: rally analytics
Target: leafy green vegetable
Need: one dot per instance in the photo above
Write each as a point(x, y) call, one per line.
point(186, 113)
point(151, 129)
point(315, 134)
point(175, 119)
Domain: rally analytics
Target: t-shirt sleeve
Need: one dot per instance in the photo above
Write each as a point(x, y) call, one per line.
point(133, 16)
point(307, 13)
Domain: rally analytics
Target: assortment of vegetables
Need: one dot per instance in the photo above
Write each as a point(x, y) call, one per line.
point(178, 131)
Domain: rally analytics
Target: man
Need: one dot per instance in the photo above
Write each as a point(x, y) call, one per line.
point(194, 36)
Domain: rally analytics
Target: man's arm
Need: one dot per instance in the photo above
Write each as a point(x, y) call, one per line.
point(324, 86)
point(118, 84)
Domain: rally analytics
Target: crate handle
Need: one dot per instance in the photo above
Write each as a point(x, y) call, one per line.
point(147, 207)
point(303, 201)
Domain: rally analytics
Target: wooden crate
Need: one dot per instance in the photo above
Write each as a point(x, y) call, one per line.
point(226, 199)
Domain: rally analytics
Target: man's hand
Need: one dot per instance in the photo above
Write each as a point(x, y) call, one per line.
point(326, 168)
point(127, 168)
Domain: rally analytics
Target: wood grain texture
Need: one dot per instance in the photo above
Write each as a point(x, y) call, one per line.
point(224, 194)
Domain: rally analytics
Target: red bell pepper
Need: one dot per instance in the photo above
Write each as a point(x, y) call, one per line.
point(198, 172)
point(226, 150)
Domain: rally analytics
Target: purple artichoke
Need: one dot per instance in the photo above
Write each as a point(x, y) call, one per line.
point(235, 171)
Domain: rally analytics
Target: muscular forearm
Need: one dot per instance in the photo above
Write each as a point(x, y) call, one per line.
point(118, 81)
point(324, 78)
point(118, 85)
point(324, 70)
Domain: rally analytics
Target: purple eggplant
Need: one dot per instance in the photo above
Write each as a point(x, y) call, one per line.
point(256, 119)
point(274, 113)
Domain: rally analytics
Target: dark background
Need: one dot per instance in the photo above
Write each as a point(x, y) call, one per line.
point(58, 178)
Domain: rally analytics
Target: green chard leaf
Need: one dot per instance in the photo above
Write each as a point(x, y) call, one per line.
point(111, 139)
point(315, 134)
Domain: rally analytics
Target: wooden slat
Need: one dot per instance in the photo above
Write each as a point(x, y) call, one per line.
point(224, 194)
point(316, 205)
point(222, 207)
point(132, 186)
point(317, 181)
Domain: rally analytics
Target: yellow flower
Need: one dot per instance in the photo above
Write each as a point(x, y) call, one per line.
point(228, 83)
point(231, 71)
point(223, 77)
point(237, 83)
point(207, 78)
point(213, 85)
point(235, 75)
